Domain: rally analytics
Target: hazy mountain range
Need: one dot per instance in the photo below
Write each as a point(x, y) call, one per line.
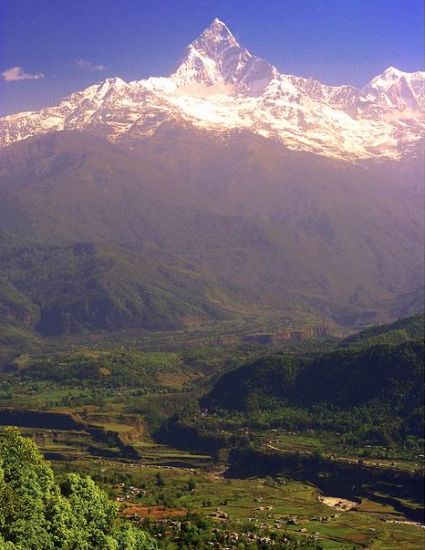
point(223, 189)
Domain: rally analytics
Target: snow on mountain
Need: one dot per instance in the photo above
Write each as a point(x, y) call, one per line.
point(220, 87)
point(216, 57)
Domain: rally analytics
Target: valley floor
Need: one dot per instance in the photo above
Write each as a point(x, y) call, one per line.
point(166, 487)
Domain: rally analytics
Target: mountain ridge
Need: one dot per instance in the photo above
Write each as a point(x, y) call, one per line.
point(219, 86)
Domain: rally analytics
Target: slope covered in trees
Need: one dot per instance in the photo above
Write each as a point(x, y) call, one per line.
point(394, 333)
point(66, 289)
point(373, 390)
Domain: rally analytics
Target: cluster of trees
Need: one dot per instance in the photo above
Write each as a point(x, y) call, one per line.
point(117, 368)
point(40, 512)
point(372, 394)
point(201, 533)
point(343, 379)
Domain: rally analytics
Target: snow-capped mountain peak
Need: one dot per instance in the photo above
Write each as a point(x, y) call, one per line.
point(396, 89)
point(220, 87)
point(216, 57)
point(387, 79)
point(217, 33)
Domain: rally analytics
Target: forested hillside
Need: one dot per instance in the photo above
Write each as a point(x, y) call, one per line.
point(374, 390)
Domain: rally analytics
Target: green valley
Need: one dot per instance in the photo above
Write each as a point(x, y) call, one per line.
point(315, 443)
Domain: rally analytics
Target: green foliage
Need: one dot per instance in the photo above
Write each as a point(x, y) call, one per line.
point(130, 538)
point(38, 513)
point(160, 482)
point(400, 331)
point(116, 368)
point(86, 286)
point(383, 374)
point(375, 393)
point(256, 385)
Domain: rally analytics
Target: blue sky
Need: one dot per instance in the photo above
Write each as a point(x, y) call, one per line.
point(61, 46)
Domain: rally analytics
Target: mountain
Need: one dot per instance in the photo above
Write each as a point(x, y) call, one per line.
point(184, 219)
point(342, 379)
point(374, 390)
point(219, 87)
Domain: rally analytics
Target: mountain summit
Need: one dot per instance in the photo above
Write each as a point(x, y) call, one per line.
point(215, 57)
point(214, 38)
point(220, 87)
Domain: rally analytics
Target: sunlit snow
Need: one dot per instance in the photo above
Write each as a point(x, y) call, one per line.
point(219, 87)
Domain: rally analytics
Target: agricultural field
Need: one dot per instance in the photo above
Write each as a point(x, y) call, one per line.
point(269, 505)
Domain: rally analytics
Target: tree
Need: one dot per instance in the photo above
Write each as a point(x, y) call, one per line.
point(38, 513)
point(160, 481)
